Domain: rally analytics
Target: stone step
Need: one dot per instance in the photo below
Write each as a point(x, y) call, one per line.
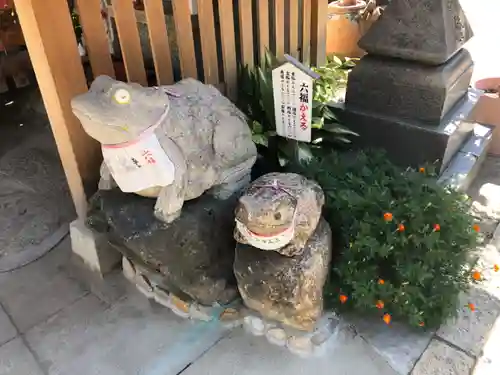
point(243, 354)
point(465, 164)
point(398, 344)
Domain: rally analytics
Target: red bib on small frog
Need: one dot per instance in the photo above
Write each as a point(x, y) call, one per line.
point(271, 242)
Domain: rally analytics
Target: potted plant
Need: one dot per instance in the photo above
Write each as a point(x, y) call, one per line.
point(348, 21)
point(486, 111)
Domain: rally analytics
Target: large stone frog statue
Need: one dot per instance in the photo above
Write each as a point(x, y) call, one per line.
point(172, 143)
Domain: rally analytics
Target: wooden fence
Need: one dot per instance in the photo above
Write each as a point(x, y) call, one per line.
point(229, 32)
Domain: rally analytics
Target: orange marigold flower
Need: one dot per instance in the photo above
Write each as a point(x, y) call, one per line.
point(421, 324)
point(388, 216)
point(476, 227)
point(343, 298)
point(437, 227)
point(381, 281)
point(421, 170)
point(496, 268)
point(401, 227)
point(380, 304)
point(387, 318)
point(476, 275)
point(472, 307)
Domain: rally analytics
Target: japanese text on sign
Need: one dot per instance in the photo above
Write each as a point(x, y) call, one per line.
point(292, 90)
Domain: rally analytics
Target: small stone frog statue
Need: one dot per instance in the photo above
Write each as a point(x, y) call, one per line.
point(279, 212)
point(283, 249)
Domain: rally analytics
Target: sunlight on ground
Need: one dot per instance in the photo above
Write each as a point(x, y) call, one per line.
point(489, 364)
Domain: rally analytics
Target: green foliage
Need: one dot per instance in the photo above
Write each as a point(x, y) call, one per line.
point(76, 26)
point(333, 78)
point(424, 267)
point(256, 100)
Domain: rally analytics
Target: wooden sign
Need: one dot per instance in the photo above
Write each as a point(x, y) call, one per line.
point(293, 90)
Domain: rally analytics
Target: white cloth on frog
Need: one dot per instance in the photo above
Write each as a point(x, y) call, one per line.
point(139, 165)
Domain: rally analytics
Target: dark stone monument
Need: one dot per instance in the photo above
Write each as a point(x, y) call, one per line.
point(410, 95)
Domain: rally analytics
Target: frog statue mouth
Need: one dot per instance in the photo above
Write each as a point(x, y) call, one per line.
point(264, 230)
point(264, 219)
point(265, 236)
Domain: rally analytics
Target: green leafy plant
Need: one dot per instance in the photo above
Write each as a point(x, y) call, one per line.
point(333, 78)
point(77, 27)
point(402, 240)
point(256, 101)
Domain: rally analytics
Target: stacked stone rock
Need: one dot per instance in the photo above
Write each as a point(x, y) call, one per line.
point(282, 258)
point(404, 94)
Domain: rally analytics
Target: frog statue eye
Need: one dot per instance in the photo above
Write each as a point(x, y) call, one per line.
point(122, 96)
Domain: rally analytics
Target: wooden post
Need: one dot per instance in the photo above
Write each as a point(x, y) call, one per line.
point(228, 40)
point(318, 31)
point(208, 41)
point(51, 42)
point(263, 22)
point(158, 36)
point(246, 33)
point(96, 37)
point(184, 34)
point(279, 27)
point(293, 28)
point(130, 42)
point(306, 32)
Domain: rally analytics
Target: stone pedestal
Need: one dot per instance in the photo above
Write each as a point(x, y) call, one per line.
point(91, 250)
point(191, 257)
point(408, 90)
point(287, 289)
point(411, 142)
point(410, 95)
point(93, 261)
